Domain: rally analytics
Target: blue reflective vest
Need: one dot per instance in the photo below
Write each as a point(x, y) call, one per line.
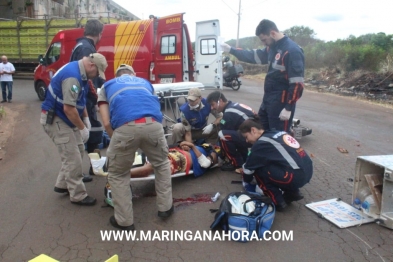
point(131, 98)
point(197, 119)
point(54, 91)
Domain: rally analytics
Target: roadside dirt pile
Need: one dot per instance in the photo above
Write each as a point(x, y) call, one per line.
point(362, 84)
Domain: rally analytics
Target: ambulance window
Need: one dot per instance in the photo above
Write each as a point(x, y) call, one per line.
point(168, 45)
point(53, 53)
point(208, 46)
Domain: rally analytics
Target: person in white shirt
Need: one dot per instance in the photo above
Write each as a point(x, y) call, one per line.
point(6, 71)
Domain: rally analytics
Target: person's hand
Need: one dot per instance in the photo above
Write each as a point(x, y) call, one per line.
point(207, 129)
point(285, 115)
point(225, 47)
point(85, 134)
point(86, 121)
point(186, 143)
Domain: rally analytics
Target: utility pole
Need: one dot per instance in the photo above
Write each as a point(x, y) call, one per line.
point(238, 24)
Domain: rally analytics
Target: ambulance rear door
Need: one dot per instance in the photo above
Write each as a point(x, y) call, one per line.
point(171, 50)
point(208, 64)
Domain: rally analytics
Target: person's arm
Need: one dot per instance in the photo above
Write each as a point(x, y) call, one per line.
point(203, 161)
point(294, 62)
point(255, 56)
point(73, 115)
point(104, 111)
point(142, 171)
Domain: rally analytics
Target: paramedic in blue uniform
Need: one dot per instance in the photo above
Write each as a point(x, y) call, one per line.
point(233, 145)
point(284, 79)
point(194, 124)
point(85, 46)
point(132, 118)
point(65, 102)
point(277, 162)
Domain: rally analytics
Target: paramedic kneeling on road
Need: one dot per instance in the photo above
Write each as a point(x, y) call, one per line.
point(278, 163)
point(131, 116)
point(62, 109)
point(233, 145)
point(194, 115)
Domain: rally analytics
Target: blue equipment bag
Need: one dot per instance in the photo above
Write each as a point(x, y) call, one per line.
point(252, 222)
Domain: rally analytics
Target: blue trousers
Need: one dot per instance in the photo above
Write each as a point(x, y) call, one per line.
point(5, 84)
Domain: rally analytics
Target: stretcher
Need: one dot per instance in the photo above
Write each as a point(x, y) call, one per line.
point(168, 93)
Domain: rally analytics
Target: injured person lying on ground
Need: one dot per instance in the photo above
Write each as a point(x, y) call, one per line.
point(185, 158)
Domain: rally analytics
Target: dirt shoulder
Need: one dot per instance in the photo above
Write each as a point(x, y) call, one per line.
point(7, 125)
point(369, 86)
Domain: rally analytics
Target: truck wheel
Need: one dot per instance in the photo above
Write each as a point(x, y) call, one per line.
point(236, 84)
point(40, 88)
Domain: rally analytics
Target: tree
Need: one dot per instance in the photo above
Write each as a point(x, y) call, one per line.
point(302, 35)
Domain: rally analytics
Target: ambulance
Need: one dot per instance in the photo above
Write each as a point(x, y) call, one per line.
point(159, 50)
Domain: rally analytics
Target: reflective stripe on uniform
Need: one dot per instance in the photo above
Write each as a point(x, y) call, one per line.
point(124, 89)
point(238, 112)
point(58, 99)
point(278, 67)
point(256, 57)
point(282, 151)
point(297, 79)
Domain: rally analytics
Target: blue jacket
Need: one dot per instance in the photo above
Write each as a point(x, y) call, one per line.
point(234, 115)
point(131, 98)
point(197, 119)
point(285, 75)
point(70, 70)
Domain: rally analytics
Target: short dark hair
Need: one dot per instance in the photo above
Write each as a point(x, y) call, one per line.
point(93, 27)
point(246, 126)
point(215, 96)
point(265, 26)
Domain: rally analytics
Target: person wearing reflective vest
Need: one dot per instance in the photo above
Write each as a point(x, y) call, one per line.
point(61, 118)
point(132, 117)
point(284, 81)
point(233, 145)
point(194, 126)
point(277, 162)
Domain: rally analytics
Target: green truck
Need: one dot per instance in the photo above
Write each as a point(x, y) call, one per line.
point(24, 39)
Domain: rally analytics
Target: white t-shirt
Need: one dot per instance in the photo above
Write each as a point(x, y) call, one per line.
point(6, 68)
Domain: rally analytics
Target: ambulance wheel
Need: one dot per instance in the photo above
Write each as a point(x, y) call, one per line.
point(40, 88)
point(236, 84)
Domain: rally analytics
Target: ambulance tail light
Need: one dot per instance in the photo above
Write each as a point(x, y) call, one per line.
point(152, 75)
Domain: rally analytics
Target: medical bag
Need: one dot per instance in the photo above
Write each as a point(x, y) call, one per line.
point(245, 216)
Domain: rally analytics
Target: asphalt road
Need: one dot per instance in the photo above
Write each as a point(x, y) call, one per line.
point(35, 220)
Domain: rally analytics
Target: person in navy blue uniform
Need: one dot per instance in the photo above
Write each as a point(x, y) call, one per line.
point(277, 162)
point(284, 80)
point(234, 147)
point(194, 124)
point(85, 46)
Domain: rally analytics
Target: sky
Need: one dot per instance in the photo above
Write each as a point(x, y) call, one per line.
point(330, 20)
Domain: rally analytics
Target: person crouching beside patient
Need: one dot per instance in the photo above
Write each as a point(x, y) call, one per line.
point(278, 163)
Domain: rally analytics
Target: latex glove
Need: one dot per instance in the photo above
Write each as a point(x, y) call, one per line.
point(85, 134)
point(207, 129)
point(225, 47)
point(285, 115)
point(86, 121)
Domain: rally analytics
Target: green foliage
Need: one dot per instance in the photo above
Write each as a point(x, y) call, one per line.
point(2, 112)
point(371, 52)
